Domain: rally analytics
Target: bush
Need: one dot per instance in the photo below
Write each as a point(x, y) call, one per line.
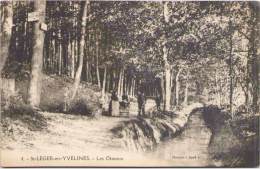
point(56, 92)
point(83, 106)
point(17, 110)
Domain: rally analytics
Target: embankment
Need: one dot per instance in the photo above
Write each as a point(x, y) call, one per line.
point(233, 142)
point(143, 134)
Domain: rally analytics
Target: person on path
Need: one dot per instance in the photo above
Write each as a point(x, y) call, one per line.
point(158, 102)
point(141, 103)
point(125, 101)
point(114, 104)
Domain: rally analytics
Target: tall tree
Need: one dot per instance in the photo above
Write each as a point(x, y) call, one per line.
point(6, 31)
point(166, 63)
point(81, 48)
point(37, 56)
point(254, 49)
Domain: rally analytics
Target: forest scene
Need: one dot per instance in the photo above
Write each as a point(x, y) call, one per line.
point(142, 83)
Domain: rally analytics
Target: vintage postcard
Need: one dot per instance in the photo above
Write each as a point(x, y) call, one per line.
point(129, 83)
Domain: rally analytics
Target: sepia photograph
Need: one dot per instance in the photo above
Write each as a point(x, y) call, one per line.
point(129, 83)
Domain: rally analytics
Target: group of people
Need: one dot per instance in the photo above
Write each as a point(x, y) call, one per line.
point(114, 106)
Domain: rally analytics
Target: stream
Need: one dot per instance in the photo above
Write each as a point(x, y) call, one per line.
point(190, 147)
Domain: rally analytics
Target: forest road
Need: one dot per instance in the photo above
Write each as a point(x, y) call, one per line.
point(71, 133)
point(190, 148)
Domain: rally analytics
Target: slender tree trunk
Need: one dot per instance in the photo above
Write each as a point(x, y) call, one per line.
point(97, 58)
point(166, 64)
point(255, 83)
point(231, 76)
point(104, 82)
point(130, 87)
point(60, 54)
point(53, 56)
point(177, 87)
point(37, 57)
point(172, 89)
point(119, 82)
point(87, 56)
point(6, 31)
point(186, 95)
point(122, 83)
point(108, 82)
point(73, 60)
point(81, 49)
point(113, 80)
point(69, 58)
point(247, 80)
point(163, 90)
point(133, 88)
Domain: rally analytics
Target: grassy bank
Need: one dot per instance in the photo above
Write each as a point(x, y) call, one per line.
point(143, 134)
point(233, 142)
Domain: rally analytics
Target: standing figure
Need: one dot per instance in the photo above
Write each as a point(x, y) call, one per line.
point(158, 102)
point(125, 101)
point(114, 104)
point(141, 103)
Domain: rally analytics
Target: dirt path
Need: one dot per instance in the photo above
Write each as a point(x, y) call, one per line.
point(74, 133)
point(190, 147)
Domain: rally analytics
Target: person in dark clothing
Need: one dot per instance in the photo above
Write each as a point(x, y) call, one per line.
point(144, 101)
point(141, 103)
point(125, 97)
point(158, 103)
point(125, 100)
point(114, 98)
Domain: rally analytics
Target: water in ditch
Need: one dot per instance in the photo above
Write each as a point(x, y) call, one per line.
point(190, 148)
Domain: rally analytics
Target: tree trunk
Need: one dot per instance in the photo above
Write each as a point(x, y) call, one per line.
point(177, 87)
point(119, 82)
point(163, 90)
point(122, 83)
point(247, 80)
point(255, 57)
point(87, 56)
point(172, 89)
point(37, 56)
point(6, 31)
point(108, 82)
point(255, 83)
point(60, 55)
point(53, 56)
point(104, 82)
point(133, 88)
point(186, 90)
point(81, 49)
point(231, 76)
point(166, 64)
point(97, 59)
point(73, 60)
